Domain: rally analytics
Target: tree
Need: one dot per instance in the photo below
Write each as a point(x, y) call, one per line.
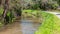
point(6, 6)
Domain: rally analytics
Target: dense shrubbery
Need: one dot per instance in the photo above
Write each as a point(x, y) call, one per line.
point(47, 5)
point(8, 19)
point(9, 16)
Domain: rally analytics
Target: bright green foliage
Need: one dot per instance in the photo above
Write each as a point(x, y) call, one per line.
point(10, 16)
point(31, 12)
point(50, 24)
point(1, 11)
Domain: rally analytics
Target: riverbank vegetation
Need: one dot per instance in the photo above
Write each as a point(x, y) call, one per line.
point(50, 24)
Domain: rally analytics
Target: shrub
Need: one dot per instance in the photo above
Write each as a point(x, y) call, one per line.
point(49, 4)
point(54, 5)
point(9, 17)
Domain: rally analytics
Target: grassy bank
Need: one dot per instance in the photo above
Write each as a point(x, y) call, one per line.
point(50, 24)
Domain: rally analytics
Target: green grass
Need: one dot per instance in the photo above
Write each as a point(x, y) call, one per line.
point(50, 24)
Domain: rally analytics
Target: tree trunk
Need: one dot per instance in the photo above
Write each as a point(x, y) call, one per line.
point(6, 5)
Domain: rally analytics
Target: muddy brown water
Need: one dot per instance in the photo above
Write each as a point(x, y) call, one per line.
point(21, 26)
